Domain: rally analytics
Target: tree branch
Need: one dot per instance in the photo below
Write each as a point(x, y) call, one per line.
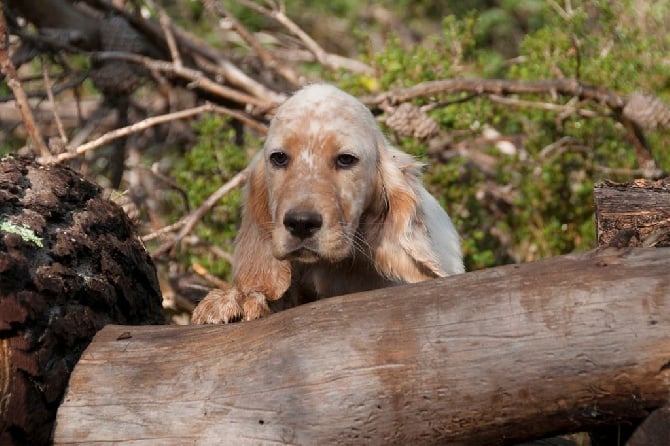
point(14, 83)
point(504, 87)
point(147, 123)
point(192, 219)
point(270, 61)
point(332, 61)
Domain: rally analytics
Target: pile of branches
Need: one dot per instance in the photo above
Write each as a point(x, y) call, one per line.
point(135, 45)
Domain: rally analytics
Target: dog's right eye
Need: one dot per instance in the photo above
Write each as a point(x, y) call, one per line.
point(279, 159)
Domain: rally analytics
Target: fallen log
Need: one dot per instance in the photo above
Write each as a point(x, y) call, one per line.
point(490, 357)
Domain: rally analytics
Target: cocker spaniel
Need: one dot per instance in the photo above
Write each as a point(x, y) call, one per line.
point(331, 208)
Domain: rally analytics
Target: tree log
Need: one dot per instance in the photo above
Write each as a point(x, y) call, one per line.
point(70, 263)
point(633, 214)
point(490, 357)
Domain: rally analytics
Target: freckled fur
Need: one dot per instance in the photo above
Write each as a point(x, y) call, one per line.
point(380, 226)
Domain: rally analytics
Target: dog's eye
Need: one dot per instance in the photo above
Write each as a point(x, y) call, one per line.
point(279, 159)
point(345, 160)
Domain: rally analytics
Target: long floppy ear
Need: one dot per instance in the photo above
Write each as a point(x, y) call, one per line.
point(417, 239)
point(255, 269)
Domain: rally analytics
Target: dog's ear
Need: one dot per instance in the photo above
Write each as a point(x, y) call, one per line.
point(417, 240)
point(255, 268)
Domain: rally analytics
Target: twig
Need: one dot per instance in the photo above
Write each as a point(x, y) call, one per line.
point(7, 68)
point(86, 128)
point(192, 219)
point(57, 89)
point(501, 87)
point(211, 278)
point(197, 78)
point(147, 123)
point(166, 26)
point(237, 77)
point(270, 61)
point(201, 51)
point(566, 14)
point(332, 61)
point(566, 109)
point(164, 230)
point(52, 101)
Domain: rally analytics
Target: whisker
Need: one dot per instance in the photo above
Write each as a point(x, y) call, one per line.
point(361, 246)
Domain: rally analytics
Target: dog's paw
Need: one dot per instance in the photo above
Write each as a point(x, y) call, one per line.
point(219, 307)
point(224, 306)
point(255, 306)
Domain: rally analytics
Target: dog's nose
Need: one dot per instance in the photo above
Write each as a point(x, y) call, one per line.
point(302, 224)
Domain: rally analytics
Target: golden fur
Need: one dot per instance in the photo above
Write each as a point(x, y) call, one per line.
point(331, 208)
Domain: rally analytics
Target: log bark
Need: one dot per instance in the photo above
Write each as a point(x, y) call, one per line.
point(633, 214)
point(70, 263)
point(490, 357)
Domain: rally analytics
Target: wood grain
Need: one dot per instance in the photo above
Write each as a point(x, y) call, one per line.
point(633, 214)
point(489, 357)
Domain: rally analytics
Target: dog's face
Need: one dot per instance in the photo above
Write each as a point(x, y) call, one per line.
point(320, 162)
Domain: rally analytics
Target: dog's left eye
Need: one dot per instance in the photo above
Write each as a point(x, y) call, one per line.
point(345, 160)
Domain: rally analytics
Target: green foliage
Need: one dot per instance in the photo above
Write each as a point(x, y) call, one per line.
point(205, 167)
point(548, 183)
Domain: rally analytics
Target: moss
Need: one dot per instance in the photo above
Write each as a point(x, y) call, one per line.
point(22, 231)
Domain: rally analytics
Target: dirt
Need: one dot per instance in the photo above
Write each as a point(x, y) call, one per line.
point(70, 263)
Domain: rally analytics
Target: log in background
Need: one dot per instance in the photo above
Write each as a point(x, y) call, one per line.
point(488, 357)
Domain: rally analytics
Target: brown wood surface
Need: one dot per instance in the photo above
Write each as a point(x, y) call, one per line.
point(488, 357)
point(633, 214)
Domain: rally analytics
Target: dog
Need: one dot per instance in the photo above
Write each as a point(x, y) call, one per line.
point(330, 208)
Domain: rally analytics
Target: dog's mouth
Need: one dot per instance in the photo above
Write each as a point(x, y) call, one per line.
point(302, 254)
point(311, 249)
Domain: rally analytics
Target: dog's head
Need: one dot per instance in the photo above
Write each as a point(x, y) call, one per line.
point(327, 186)
point(320, 163)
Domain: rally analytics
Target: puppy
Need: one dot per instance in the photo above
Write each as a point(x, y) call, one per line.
point(330, 208)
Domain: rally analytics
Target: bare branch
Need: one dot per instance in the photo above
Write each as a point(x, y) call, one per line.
point(191, 220)
point(197, 78)
point(204, 55)
point(147, 123)
point(270, 61)
point(238, 78)
point(332, 61)
point(566, 109)
point(166, 26)
point(164, 230)
point(503, 87)
point(211, 278)
point(49, 90)
point(7, 68)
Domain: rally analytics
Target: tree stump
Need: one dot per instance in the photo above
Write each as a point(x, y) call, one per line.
point(70, 263)
point(633, 214)
point(630, 215)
